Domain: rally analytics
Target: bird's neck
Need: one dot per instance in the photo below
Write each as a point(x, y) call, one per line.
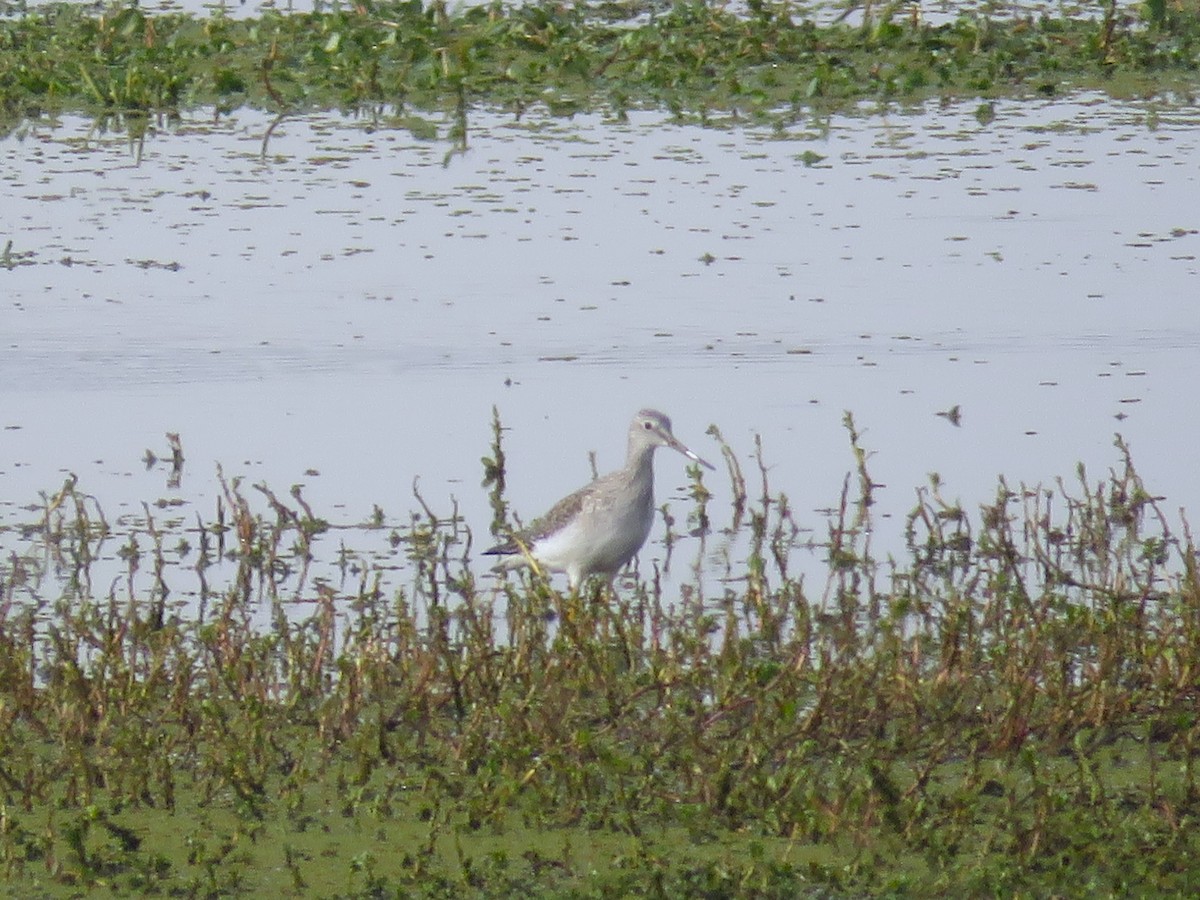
point(640, 463)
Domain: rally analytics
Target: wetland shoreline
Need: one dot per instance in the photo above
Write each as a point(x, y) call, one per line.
point(1010, 709)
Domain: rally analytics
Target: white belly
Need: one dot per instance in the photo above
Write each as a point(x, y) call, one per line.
point(600, 540)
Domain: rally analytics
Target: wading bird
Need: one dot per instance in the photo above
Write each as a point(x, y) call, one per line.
point(600, 527)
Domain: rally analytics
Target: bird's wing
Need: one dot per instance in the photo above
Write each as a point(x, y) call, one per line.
point(562, 511)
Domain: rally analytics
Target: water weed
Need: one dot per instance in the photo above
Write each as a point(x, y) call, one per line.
point(1006, 706)
point(701, 61)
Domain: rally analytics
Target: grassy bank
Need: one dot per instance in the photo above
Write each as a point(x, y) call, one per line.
point(1009, 708)
point(693, 59)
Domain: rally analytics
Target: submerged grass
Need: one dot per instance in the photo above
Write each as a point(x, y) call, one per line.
point(695, 59)
point(1009, 708)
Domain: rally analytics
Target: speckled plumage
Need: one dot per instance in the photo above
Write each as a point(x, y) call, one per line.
point(600, 527)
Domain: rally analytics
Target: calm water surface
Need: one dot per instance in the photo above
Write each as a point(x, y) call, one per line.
point(345, 312)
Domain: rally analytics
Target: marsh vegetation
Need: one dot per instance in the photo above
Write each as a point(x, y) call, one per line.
point(1007, 706)
point(769, 62)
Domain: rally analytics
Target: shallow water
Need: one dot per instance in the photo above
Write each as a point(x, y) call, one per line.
point(346, 312)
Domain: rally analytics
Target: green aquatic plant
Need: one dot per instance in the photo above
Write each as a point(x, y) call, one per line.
point(696, 60)
point(1006, 706)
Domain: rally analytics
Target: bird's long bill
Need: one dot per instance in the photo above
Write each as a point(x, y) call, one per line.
point(675, 444)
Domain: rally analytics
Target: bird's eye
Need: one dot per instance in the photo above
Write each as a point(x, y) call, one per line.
point(647, 425)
